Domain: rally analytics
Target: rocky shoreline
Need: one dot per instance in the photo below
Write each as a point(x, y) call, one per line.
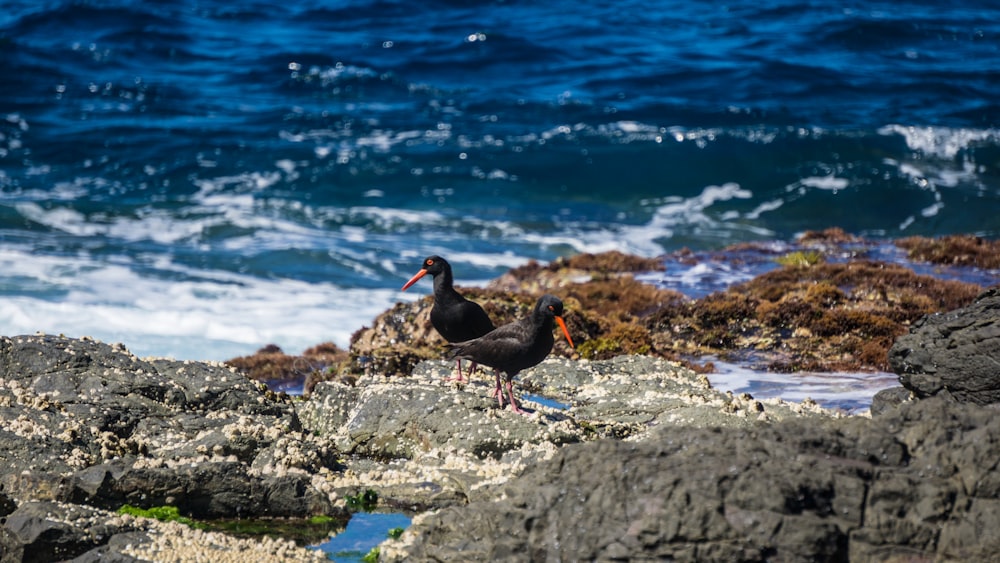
point(645, 461)
point(826, 302)
point(89, 427)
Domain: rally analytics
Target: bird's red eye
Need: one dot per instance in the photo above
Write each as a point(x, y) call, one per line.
point(429, 262)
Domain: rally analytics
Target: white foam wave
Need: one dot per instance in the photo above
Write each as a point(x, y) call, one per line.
point(244, 183)
point(702, 278)
point(849, 391)
point(157, 306)
point(765, 207)
point(59, 191)
point(205, 315)
point(673, 216)
point(944, 142)
point(155, 225)
point(492, 260)
point(349, 144)
point(929, 177)
point(831, 183)
point(932, 210)
point(253, 224)
point(687, 214)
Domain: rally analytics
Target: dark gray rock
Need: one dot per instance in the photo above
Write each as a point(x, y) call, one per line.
point(625, 396)
point(425, 443)
point(114, 550)
point(957, 352)
point(392, 418)
point(90, 423)
point(703, 475)
point(918, 483)
point(7, 505)
point(50, 531)
point(405, 417)
point(890, 398)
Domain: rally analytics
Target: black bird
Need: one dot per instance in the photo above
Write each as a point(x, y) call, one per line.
point(454, 317)
point(516, 346)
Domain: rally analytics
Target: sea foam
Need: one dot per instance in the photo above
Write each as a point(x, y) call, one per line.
point(205, 315)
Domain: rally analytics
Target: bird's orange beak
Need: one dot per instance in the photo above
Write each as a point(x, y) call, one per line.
point(562, 325)
point(414, 279)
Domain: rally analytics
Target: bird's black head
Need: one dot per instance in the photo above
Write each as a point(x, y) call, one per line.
point(550, 305)
point(432, 265)
point(551, 308)
point(435, 265)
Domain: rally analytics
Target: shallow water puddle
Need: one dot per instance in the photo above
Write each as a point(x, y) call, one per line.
point(545, 401)
point(364, 531)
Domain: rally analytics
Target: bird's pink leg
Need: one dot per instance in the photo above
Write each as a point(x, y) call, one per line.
point(513, 403)
point(458, 370)
point(498, 391)
point(458, 378)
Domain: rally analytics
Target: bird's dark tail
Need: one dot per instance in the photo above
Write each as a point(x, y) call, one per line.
point(455, 350)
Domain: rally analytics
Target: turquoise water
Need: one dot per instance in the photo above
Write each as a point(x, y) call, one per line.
point(544, 401)
point(364, 531)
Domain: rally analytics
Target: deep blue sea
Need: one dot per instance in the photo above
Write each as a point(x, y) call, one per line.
point(198, 179)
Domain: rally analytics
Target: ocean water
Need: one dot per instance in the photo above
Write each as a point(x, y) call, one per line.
point(197, 179)
point(849, 393)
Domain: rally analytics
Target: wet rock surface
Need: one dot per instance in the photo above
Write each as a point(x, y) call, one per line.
point(956, 353)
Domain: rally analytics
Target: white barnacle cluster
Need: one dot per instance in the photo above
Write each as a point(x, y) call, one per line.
point(321, 482)
point(111, 445)
point(248, 427)
point(24, 427)
point(295, 453)
point(78, 459)
point(565, 427)
point(810, 406)
point(220, 415)
point(172, 542)
point(744, 405)
point(166, 442)
point(26, 397)
point(94, 520)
